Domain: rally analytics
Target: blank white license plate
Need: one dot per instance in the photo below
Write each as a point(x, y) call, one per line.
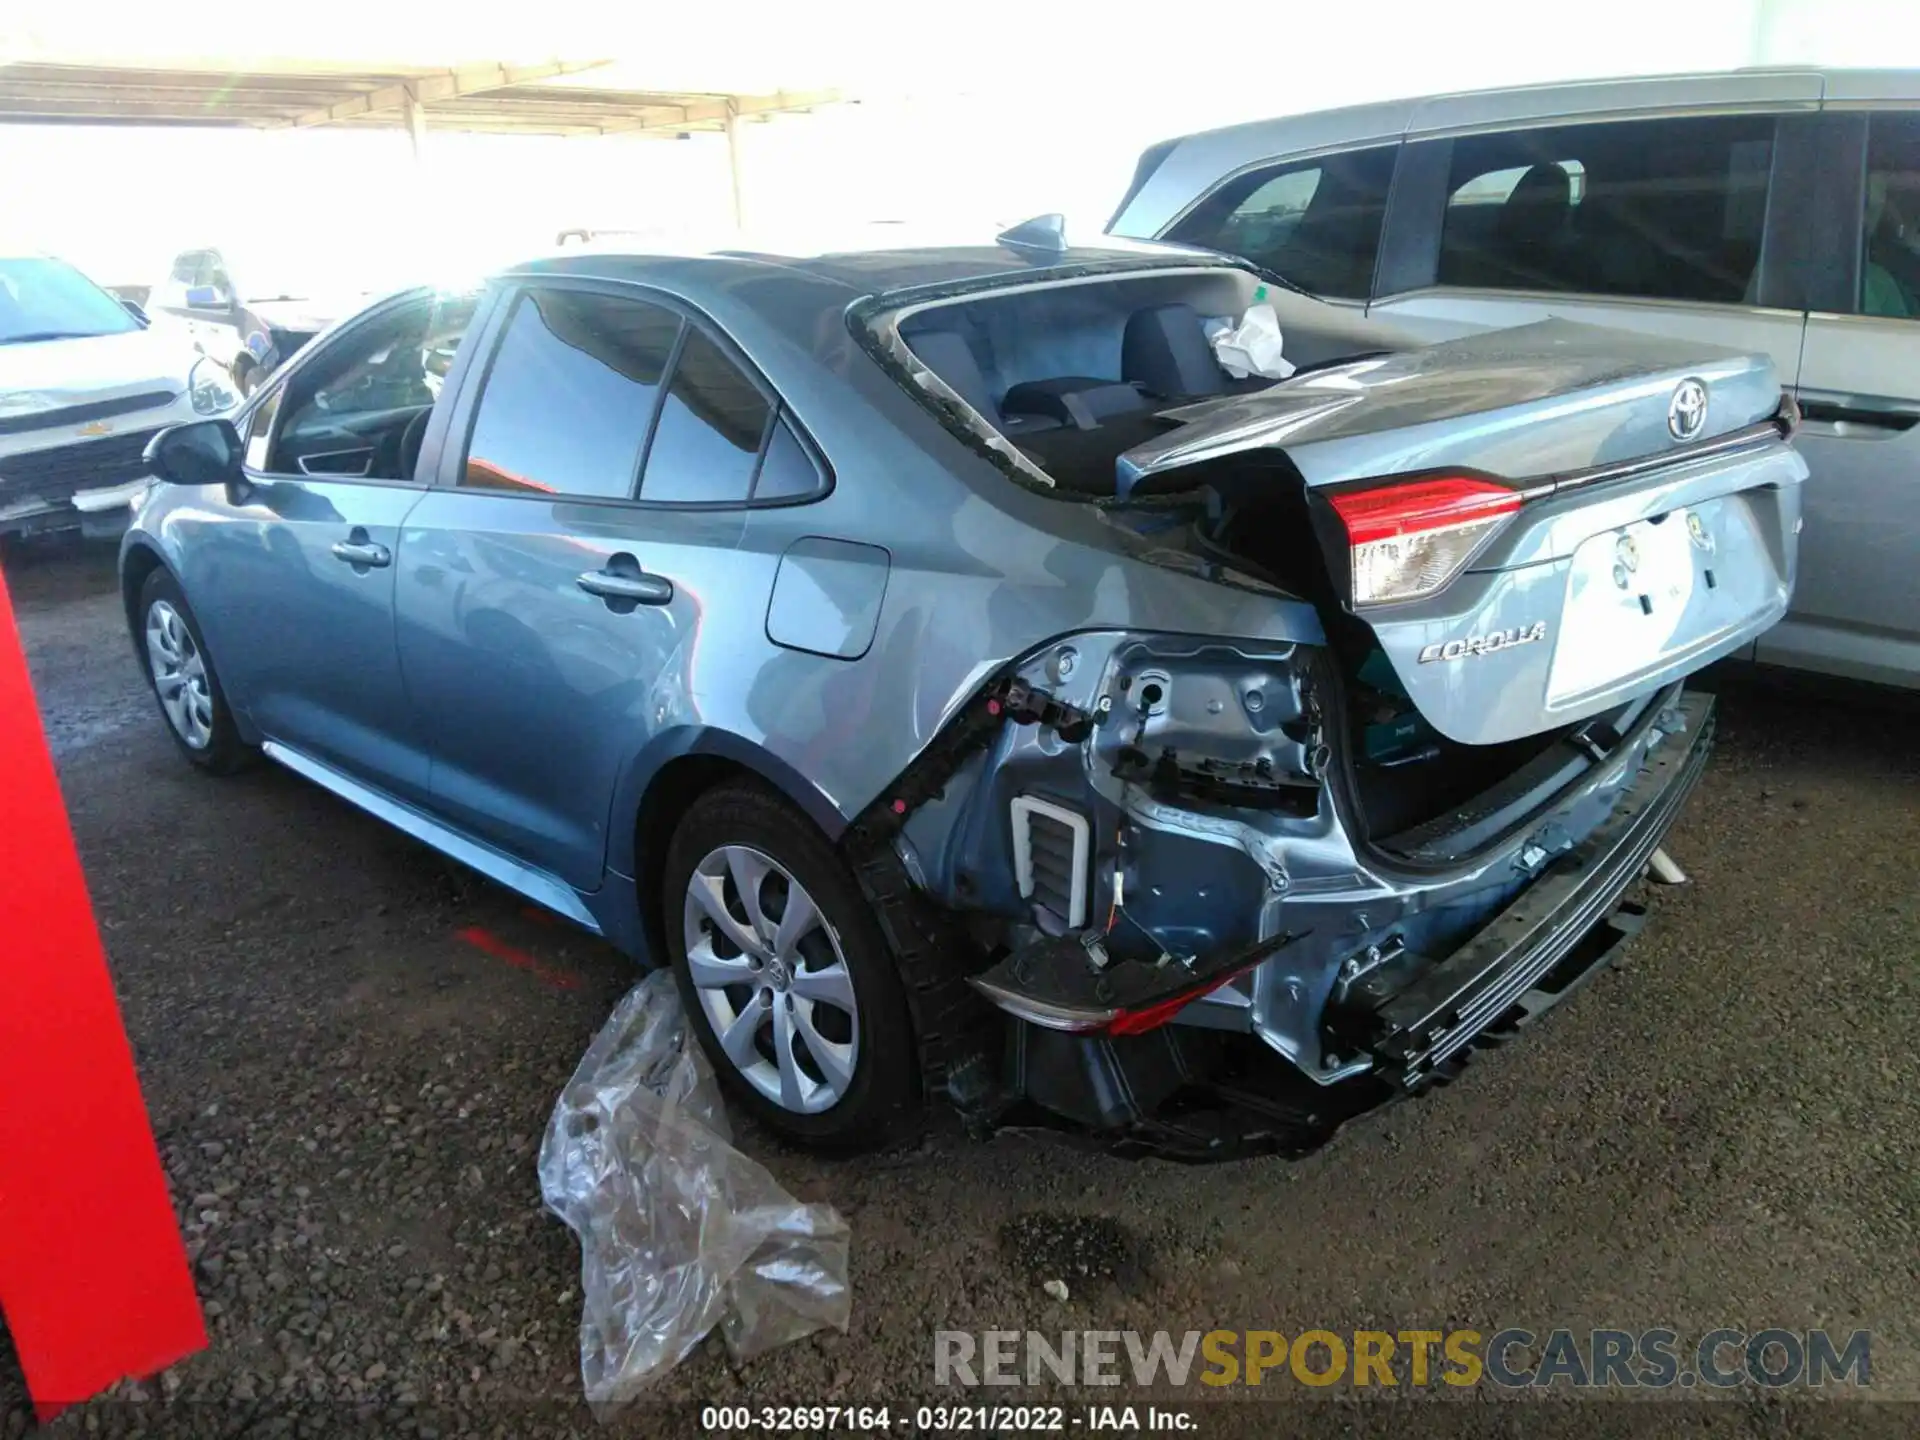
point(1631, 601)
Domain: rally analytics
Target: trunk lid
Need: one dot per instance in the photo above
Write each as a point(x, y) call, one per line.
point(1643, 522)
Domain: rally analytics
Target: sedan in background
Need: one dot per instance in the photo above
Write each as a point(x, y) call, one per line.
point(971, 679)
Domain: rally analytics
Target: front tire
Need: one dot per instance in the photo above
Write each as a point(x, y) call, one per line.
point(790, 986)
point(183, 679)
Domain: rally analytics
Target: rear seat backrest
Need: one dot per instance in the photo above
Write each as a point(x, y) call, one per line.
point(1077, 400)
point(1165, 352)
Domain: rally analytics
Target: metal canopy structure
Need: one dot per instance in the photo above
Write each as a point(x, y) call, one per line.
point(555, 98)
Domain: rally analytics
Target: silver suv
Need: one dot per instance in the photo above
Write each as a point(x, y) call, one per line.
point(1769, 211)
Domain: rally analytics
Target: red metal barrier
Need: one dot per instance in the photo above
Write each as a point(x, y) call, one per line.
point(93, 1276)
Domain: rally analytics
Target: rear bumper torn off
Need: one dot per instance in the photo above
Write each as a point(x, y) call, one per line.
point(1532, 954)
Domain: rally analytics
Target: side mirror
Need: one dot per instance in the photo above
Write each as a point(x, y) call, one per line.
point(136, 310)
point(206, 297)
point(203, 452)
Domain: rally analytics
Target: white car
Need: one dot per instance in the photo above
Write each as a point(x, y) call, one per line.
point(84, 385)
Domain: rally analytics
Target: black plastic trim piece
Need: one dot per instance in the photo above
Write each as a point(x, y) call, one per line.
point(1816, 204)
point(1409, 256)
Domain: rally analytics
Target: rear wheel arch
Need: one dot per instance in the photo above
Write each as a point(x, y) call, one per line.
point(665, 780)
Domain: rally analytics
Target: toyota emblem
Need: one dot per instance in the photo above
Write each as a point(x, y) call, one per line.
point(1687, 411)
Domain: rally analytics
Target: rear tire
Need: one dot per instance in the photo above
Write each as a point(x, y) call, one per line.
point(184, 682)
point(790, 987)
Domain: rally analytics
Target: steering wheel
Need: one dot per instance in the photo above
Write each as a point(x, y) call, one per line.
point(410, 439)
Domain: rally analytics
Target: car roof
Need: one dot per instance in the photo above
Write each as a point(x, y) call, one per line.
point(778, 306)
point(1761, 85)
point(859, 273)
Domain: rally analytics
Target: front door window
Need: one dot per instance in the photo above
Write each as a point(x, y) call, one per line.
point(358, 409)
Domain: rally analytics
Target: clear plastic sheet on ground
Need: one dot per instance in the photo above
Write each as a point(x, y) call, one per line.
point(679, 1232)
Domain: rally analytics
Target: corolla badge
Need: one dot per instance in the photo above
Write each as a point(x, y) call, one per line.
point(1484, 644)
point(1687, 410)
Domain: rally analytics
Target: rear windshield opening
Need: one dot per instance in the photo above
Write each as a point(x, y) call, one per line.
point(1076, 373)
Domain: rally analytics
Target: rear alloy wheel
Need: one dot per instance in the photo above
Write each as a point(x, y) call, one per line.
point(772, 980)
point(788, 982)
point(183, 678)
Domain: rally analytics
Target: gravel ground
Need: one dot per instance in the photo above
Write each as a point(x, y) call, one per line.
point(348, 1098)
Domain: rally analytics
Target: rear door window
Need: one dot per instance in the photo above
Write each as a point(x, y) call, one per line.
point(1890, 232)
point(571, 394)
point(711, 430)
point(1313, 222)
point(616, 398)
point(787, 470)
point(1667, 209)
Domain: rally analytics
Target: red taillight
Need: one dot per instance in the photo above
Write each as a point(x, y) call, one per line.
point(1081, 1019)
point(1408, 538)
point(1152, 1017)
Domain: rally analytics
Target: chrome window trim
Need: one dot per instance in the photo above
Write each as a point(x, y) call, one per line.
point(1561, 297)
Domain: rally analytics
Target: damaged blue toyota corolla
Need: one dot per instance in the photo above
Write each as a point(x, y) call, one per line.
point(970, 686)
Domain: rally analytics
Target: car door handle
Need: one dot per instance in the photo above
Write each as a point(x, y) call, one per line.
point(641, 589)
point(1835, 414)
point(362, 552)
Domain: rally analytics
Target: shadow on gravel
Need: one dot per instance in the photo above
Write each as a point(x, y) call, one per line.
point(51, 569)
point(1782, 714)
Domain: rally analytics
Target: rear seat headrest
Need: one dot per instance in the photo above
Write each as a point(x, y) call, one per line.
point(1165, 352)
